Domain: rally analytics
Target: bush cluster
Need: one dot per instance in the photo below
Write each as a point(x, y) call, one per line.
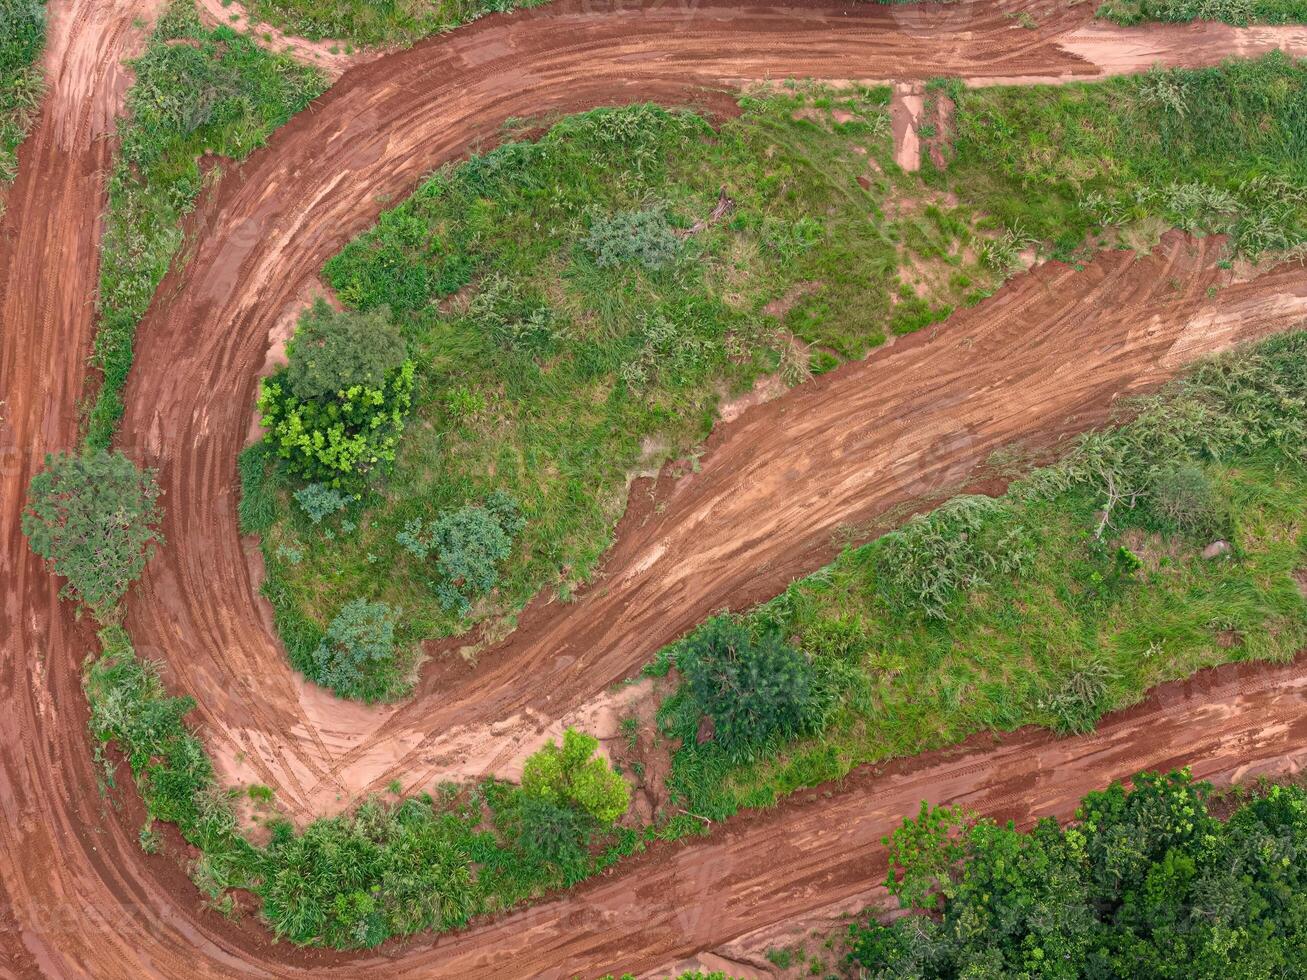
point(469, 543)
point(641, 237)
point(754, 688)
point(1145, 883)
point(337, 410)
point(357, 657)
point(93, 516)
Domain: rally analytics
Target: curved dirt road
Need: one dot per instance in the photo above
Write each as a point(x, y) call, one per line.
point(79, 898)
point(274, 222)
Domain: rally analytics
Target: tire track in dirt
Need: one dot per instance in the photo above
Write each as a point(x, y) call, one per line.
point(78, 896)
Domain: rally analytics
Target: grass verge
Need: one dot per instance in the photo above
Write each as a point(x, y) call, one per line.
point(22, 38)
point(198, 94)
point(393, 22)
point(1237, 12)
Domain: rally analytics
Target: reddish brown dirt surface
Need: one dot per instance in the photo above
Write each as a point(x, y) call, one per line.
point(80, 899)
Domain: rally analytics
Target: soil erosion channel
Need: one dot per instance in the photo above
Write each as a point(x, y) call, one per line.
point(79, 897)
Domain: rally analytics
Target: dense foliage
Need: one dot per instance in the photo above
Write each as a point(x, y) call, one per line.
point(93, 516)
point(332, 351)
point(571, 775)
point(357, 657)
point(643, 236)
point(754, 688)
point(1145, 883)
point(375, 22)
point(196, 92)
point(22, 37)
point(470, 543)
point(342, 438)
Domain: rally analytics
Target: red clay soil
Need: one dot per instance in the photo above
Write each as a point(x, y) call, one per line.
point(1042, 358)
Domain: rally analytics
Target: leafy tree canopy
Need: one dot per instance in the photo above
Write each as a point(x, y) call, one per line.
point(752, 688)
point(571, 775)
point(333, 351)
point(93, 517)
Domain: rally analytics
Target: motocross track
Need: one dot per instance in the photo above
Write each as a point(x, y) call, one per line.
point(1041, 358)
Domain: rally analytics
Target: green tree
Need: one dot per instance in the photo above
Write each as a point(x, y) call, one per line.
point(573, 776)
point(336, 412)
point(357, 656)
point(752, 688)
point(334, 351)
point(93, 516)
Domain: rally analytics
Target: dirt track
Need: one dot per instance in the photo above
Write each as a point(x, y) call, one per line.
point(79, 897)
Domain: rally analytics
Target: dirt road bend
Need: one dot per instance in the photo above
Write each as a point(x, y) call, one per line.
point(78, 896)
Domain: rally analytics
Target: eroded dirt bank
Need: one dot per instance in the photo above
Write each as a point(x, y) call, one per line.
point(79, 897)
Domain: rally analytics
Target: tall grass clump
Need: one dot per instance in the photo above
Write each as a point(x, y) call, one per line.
point(22, 38)
point(219, 93)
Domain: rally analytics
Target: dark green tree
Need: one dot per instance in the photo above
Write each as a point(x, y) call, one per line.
point(333, 351)
point(357, 658)
point(93, 516)
point(752, 688)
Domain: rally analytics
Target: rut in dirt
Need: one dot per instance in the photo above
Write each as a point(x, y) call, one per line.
point(77, 896)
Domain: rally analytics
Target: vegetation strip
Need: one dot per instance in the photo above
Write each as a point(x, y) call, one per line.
point(1238, 12)
point(401, 22)
point(875, 652)
point(21, 81)
point(198, 94)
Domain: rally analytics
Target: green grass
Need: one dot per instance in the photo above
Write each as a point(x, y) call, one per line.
point(22, 38)
point(550, 376)
point(1211, 149)
point(375, 22)
point(196, 92)
point(553, 378)
point(1238, 12)
point(1082, 629)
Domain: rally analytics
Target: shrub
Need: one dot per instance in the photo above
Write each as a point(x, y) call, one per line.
point(334, 351)
point(319, 501)
point(21, 41)
point(93, 517)
point(357, 658)
point(550, 833)
point(752, 689)
point(338, 439)
point(1183, 498)
point(573, 776)
point(643, 237)
point(469, 544)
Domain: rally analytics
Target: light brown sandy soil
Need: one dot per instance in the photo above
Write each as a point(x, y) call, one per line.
point(80, 899)
point(330, 56)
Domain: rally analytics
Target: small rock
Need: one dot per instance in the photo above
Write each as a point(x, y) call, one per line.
point(1216, 549)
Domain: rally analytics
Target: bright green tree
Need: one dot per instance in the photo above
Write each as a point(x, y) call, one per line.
point(573, 776)
point(93, 516)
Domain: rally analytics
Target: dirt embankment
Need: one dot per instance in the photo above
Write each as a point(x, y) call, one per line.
point(79, 897)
